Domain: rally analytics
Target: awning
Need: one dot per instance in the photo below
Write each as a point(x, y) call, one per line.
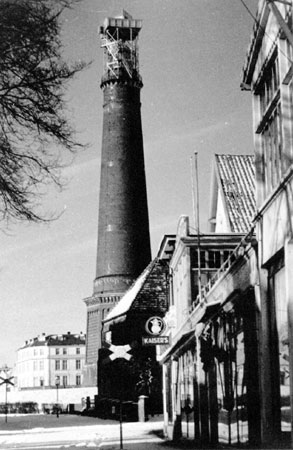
point(181, 344)
point(205, 312)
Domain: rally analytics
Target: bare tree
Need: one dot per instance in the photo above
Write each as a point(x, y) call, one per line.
point(33, 128)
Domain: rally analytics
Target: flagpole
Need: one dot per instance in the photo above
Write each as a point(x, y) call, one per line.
point(195, 198)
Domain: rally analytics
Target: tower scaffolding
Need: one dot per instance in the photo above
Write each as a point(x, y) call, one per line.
point(119, 39)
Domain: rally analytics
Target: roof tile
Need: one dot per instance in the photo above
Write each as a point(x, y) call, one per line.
point(237, 177)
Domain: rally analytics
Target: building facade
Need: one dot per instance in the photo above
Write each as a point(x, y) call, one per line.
point(196, 366)
point(47, 360)
point(268, 76)
point(210, 376)
point(228, 374)
point(123, 249)
point(136, 372)
point(49, 371)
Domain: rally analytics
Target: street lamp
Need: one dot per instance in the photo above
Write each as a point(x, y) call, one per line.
point(57, 384)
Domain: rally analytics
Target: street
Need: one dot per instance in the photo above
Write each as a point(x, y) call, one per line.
point(74, 432)
point(39, 432)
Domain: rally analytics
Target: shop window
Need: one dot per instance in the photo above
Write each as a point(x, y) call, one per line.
point(186, 378)
point(280, 308)
point(231, 383)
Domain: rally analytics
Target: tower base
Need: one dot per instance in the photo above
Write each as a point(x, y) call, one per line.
point(98, 306)
point(90, 375)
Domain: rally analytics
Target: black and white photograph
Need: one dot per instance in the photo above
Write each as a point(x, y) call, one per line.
point(146, 224)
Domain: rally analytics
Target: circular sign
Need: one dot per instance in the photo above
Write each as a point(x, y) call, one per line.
point(155, 326)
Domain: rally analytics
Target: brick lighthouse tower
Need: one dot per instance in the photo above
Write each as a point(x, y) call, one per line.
point(123, 249)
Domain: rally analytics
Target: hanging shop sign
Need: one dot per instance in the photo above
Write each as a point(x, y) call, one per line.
point(156, 340)
point(155, 326)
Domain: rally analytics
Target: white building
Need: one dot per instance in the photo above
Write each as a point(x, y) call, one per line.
point(48, 371)
point(268, 75)
point(48, 360)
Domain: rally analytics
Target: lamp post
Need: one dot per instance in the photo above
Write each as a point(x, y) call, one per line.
point(57, 384)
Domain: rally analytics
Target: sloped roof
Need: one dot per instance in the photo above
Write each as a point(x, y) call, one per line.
point(236, 176)
point(149, 291)
point(56, 339)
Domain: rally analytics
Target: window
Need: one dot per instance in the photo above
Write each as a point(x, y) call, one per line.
point(64, 364)
point(272, 150)
point(65, 381)
point(64, 351)
point(41, 365)
point(78, 350)
point(57, 364)
point(269, 85)
point(57, 351)
point(78, 380)
point(270, 127)
point(232, 389)
point(35, 365)
point(77, 364)
point(214, 259)
point(35, 352)
point(280, 312)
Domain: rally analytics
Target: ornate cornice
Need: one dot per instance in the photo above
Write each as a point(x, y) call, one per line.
point(96, 300)
point(134, 82)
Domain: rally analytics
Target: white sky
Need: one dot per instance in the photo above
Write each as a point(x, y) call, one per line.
point(191, 58)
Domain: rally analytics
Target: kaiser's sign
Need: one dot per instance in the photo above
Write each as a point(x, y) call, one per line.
point(155, 326)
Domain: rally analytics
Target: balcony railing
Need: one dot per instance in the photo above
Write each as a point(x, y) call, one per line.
point(237, 253)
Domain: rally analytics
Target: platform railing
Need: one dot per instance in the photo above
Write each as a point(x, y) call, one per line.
point(237, 253)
